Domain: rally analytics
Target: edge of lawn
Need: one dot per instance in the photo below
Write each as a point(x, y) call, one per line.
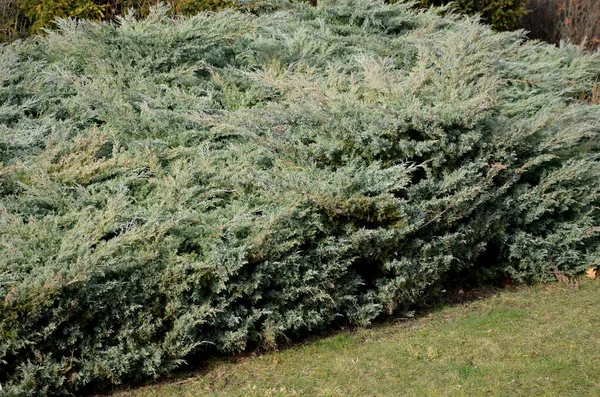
point(528, 340)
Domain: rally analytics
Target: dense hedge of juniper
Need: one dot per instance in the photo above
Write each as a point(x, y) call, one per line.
point(210, 184)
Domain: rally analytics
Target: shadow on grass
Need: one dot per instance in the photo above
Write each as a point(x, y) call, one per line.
point(199, 365)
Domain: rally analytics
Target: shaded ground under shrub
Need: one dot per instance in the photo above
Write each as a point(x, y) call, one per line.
point(471, 349)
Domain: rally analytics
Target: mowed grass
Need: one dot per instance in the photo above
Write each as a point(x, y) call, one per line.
point(533, 341)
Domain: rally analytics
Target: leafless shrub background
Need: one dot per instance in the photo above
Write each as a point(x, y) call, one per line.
point(575, 20)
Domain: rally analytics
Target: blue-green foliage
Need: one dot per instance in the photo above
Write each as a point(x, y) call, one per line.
point(213, 183)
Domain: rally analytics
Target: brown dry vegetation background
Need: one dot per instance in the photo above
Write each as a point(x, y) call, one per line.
point(575, 20)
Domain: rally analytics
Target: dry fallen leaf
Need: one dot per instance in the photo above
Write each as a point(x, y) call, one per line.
point(590, 273)
point(498, 165)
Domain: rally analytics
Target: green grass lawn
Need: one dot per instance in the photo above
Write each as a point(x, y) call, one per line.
point(536, 341)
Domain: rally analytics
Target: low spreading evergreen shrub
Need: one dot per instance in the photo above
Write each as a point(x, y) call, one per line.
point(216, 183)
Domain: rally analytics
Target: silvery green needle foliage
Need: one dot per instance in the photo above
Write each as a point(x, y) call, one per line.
point(227, 181)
